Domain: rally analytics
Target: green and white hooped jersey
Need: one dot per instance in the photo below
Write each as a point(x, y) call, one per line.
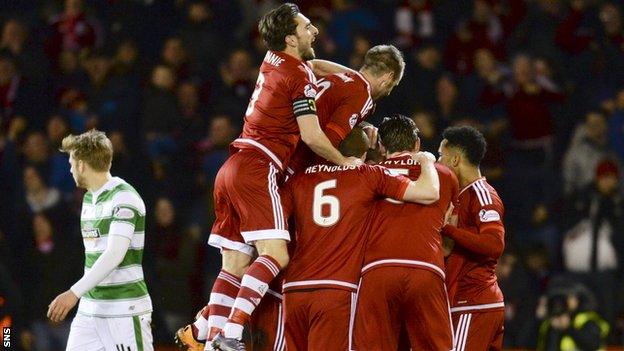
point(123, 292)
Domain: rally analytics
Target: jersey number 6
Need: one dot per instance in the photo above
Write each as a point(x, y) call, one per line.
point(320, 199)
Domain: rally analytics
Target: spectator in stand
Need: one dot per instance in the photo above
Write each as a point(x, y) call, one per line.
point(361, 44)
point(487, 29)
point(237, 82)
point(9, 84)
point(347, 19)
point(126, 73)
point(448, 108)
point(60, 177)
point(175, 57)
point(201, 36)
point(588, 147)
point(174, 252)
point(616, 127)
point(422, 71)
point(160, 113)
point(36, 152)
point(531, 183)
point(482, 92)
point(73, 30)
point(428, 133)
point(56, 259)
point(536, 33)
point(594, 237)
point(414, 23)
point(215, 147)
point(29, 57)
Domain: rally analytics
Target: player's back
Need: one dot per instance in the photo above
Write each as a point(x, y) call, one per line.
point(343, 100)
point(408, 234)
point(472, 277)
point(331, 206)
point(285, 87)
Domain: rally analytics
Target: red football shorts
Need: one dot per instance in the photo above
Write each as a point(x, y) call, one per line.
point(267, 324)
point(478, 331)
point(318, 320)
point(392, 298)
point(247, 203)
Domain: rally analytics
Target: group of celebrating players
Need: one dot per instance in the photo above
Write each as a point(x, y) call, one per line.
point(321, 249)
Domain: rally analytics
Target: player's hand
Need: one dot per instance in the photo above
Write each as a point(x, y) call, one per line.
point(449, 217)
point(423, 157)
point(352, 161)
point(372, 133)
point(61, 305)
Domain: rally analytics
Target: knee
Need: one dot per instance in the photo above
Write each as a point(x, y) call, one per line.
point(235, 262)
point(277, 249)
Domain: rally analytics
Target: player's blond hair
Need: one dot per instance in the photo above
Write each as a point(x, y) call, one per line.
point(93, 147)
point(382, 59)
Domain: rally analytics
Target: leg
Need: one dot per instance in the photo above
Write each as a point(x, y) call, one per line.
point(255, 283)
point(428, 322)
point(377, 317)
point(83, 335)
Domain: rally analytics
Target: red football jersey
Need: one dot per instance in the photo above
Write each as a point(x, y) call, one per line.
point(285, 85)
point(332, 207)
point(471, 277)
point(343, 101)
point(408, 234)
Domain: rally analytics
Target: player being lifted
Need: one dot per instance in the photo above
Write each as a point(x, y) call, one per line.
point(115, 309)
point(477, 305)
point(403, 275)
point(249, 217)
point(345, 99)
point(332, 206)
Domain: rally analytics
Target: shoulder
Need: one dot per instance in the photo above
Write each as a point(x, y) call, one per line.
point(124, 194)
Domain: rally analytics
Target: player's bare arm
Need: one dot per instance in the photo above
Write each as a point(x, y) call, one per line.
point(317, 141)
point(426, 189)
point(322, 68)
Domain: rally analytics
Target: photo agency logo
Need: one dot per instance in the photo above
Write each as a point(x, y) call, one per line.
point(6, 337)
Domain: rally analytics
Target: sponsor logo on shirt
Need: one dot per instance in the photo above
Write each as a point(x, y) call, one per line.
point(309, 91)
point(90, 233)
point(489, 216)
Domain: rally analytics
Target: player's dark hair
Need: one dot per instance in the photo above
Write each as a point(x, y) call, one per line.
point(398, 133)
point(469, 140)
point(355, 144)
point(276, 24)
point(382, 59)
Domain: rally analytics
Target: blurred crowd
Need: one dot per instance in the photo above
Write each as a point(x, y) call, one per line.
point(169, 81)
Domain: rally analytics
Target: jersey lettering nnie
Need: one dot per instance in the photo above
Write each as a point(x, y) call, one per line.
point(285, 89)
point(332, 206)
point(117, 205)
point(479, 242)
point(343, 100)
point(408, 234)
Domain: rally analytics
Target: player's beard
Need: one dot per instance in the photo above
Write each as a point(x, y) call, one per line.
point(308, 54)
point(80, 181)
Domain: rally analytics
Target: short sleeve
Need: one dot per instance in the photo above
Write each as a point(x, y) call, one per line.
point(387, 183)
point(354, 108)
point(303, 91)
point(127, 212)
